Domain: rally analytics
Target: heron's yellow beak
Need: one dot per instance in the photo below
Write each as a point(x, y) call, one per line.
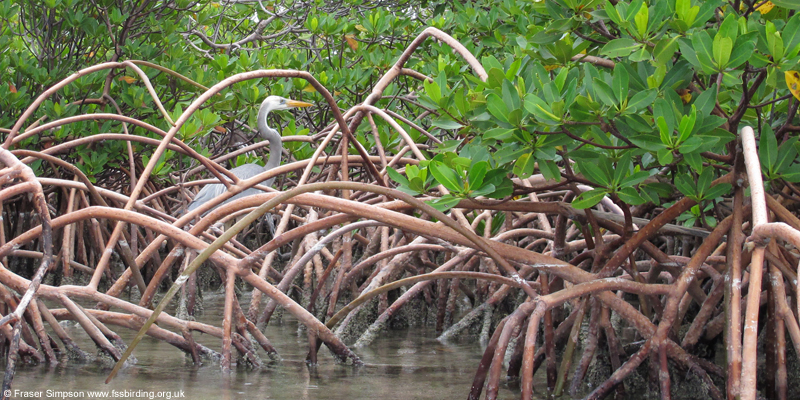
point(295, 103)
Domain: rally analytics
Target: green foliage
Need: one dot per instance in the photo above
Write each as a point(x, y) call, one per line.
point(461, 176)
point(644, 107)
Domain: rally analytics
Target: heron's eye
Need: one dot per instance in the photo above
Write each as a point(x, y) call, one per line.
point(283, 101)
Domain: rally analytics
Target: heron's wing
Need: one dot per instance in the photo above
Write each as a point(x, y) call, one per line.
point(245, 171)
point(248, 171)
point(205, 195)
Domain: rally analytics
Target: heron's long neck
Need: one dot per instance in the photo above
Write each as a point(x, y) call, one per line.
point(275, 143)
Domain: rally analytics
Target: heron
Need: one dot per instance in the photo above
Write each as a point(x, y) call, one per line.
point(248, 171)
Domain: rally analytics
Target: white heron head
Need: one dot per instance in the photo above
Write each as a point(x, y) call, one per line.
point(281, 103)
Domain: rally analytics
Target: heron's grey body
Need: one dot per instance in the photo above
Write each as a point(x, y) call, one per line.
point(247, 171)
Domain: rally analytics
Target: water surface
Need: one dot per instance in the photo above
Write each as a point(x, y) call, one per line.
point(405, 364)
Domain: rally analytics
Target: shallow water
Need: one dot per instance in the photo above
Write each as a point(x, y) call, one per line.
point(406, 364)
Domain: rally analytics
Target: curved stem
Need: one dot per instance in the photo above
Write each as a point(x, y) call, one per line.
point(414, 279)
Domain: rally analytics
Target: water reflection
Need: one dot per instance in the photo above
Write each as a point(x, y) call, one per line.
point(408, 364)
